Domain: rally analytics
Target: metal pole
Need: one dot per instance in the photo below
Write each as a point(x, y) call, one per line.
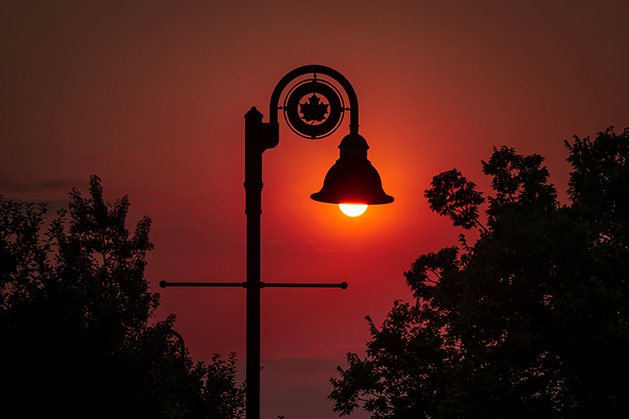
point(253, 210)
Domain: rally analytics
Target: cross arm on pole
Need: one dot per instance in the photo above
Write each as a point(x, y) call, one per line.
point(342, 285)
point(164, 284)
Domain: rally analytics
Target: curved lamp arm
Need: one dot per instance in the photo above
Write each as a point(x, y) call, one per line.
point(321, 69)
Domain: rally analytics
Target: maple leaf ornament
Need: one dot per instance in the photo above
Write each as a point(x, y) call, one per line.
point(313, 110)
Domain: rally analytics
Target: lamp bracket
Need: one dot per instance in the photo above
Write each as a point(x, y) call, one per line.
point(325, 112)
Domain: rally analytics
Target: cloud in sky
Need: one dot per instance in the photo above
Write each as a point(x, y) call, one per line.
point(36, 189)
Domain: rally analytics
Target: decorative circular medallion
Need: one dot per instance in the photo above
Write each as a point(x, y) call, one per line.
point(314, 108)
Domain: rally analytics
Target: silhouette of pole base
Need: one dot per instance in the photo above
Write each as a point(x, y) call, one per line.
point(253, 356)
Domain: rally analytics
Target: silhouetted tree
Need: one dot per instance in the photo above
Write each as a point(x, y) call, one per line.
point(529, 321)
point(75, 327)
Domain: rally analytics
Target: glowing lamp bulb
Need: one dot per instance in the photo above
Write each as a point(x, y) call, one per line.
point(353, 210)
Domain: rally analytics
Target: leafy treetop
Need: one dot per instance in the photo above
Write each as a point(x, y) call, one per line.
point(75, 311)
point(531, 320)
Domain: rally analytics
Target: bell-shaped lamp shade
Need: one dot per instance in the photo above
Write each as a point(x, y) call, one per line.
point(352, 179)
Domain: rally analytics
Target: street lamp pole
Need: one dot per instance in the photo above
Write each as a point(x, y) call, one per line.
point(254, 147)
point(313, 108)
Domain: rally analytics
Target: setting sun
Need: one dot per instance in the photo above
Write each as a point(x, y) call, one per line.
point(353, 210)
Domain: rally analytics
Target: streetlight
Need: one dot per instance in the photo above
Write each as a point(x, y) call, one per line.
point(313, 108)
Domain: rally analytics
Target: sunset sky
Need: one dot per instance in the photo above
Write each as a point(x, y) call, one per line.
point(150, 96)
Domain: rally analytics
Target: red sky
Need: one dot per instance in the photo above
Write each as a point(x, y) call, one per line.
point(150, 96)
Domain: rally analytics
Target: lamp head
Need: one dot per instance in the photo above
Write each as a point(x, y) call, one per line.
point(352, 179)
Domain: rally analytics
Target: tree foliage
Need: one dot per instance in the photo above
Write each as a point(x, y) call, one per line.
point(531, 320)
point(75, 319)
